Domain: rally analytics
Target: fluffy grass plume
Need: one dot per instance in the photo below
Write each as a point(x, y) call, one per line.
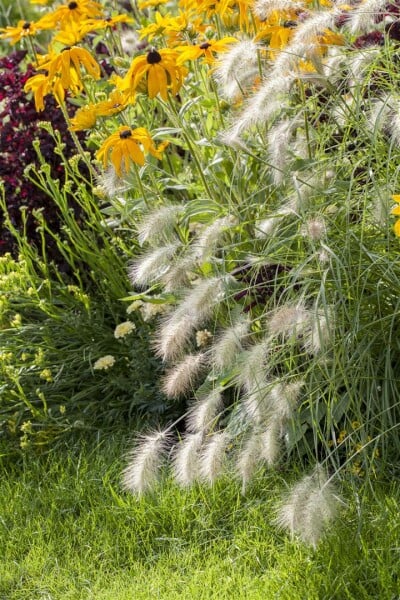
point(236, 69)
point(142, 471)
point(249, 458)
point(195, 308)
point(213, 456)
point(204, 411)
point(186, 463)
point(151, 266)
point(158, 224)
point(309, 507)
point(229, 344)
point(179, 380)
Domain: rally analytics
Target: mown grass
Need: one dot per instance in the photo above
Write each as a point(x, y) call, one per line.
point(67, 531)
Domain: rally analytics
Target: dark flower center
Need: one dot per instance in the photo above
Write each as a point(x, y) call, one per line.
point(125, 134)
point(72, 5)
point(153, 57)
point(26, 25)
point(204, 45)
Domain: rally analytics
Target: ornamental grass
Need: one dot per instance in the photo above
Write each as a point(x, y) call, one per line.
point(248, 150)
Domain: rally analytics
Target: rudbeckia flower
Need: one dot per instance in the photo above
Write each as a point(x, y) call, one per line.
point(128, 145)
point(142, 4)
point(85, 118)
point(89, 25)
point(396, 212)
point(161, 71)
point(113, 105)
point(166, 25)
point(73, 12)
point(15, 34)
point(41, 86)
point(278, 33)
point(204, 50)
point(67, 67)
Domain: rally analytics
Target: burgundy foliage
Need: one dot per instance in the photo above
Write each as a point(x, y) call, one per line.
point(19, 128)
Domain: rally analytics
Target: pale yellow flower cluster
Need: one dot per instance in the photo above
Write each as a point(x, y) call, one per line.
point(104, 363)
point(124, 329)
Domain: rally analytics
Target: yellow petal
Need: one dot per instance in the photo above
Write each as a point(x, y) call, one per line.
point(396, 228)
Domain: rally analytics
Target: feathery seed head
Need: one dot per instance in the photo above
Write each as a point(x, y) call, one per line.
point(253, 366)
point(314, 229)
point(209, 238)
point(289, 320)
point(186, 460)
point(271, 443)
point(284, 398)
point(142, 471)
point(159, 224)
point(230, 344)
point(179, 379)
point(265, 8)
point(236, 69)
point(319, 331)
point(151, 266)
point(309, 507)
point(249, 458)
point(213, 456)
point(279, 139)
point(365, 16)
point(179, 274)
point(173, 335)
point(204, 412)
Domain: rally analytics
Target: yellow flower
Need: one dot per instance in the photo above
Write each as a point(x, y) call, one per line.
point(95, 24)
point(396, 212)
point(330, 38)
point(46, 375)
point(142, 4)
point(15, 34)
point(116, 102)
point(166, 25)
point(70, 35)
point(159, 68)
point(41, 86)
point(278, 28)
point(204, 50)
point(72, 12)
point(67, 67)
point(85, 118)
point(128, 145)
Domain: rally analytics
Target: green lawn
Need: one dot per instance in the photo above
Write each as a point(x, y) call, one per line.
point(69, 532)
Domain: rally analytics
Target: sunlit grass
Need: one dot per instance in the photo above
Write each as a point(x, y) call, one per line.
point(68, 532)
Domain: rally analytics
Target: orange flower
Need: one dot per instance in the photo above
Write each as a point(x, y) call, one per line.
point(204, 50)
point(159, 68)
point(128, 145)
